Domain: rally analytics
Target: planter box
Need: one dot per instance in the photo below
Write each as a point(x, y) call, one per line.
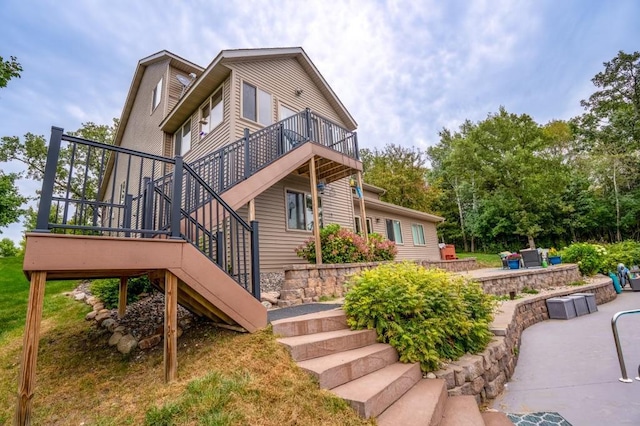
point(513, 264)
point(555, 260)
point(635, 284)
point(561, 308)
point(591, 301)
point(580, 304)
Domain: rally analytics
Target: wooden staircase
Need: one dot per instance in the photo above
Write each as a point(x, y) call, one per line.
point(369, 377)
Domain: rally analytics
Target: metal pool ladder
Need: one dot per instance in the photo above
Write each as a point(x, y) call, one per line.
point(614, 327)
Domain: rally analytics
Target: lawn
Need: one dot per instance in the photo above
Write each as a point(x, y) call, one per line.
point(485, 260)
point(224, 377)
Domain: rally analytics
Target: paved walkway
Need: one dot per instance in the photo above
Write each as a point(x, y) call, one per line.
point(571, 367)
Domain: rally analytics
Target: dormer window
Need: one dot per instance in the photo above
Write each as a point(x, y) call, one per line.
point(156, 96)
point(211, 113)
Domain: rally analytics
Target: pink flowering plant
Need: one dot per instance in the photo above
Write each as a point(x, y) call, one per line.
point(341, 245)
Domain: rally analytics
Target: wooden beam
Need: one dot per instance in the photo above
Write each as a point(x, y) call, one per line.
point(252, 210)
point(30, 342)
point(170, 327)
point(314, 206)
point(363, 213)
point(122, 299)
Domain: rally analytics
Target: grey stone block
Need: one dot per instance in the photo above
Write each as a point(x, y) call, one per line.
point(561, 308)
point(591, 301)
point(580, 303)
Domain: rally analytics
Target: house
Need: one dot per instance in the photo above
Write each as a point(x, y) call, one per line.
point(175, 107)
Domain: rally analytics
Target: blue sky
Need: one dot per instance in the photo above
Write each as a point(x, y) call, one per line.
point(404, 69)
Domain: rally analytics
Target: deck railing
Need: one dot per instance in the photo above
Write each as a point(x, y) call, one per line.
point(90, 188)
point(237, 161)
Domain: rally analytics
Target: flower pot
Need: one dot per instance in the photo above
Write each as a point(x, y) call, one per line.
point(514, 264)
point(555, 260)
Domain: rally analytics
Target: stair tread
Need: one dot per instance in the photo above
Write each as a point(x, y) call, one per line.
point(336, 369)
point(496, 418)
point(316, 322)
point(319, 337)
point(311, 346)
point(370, 395)
point(423, 404)
point(461, 411)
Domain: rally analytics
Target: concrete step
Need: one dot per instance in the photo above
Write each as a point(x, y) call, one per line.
point(423, 404)
point(337, 369)
point(318, 322)
point(370, 395)
point(496, 418)
point(461, 411)
point(327, 343)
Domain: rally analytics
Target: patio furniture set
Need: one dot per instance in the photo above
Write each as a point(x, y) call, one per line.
point(528, 258)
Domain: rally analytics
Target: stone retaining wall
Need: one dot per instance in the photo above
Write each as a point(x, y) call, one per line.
point(484, 375)
point(539, 278)
point(309, 283)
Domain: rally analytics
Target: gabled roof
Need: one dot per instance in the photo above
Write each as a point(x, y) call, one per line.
point(216, 72)
point(163, 55)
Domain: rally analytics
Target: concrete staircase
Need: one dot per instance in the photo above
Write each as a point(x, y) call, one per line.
point(369, 377)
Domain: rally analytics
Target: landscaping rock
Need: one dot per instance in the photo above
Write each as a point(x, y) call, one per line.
point(91, 315)
point(127, 343)
point(80, 296)
point(120, 329)
point(109, 322)
point(271, 297)
point(267, 305)
point(91, 300)
point(115, 338)
point(149, 342)
point(102, 317)
point(98, 306)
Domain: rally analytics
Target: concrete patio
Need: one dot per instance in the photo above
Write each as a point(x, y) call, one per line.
point(571, 367)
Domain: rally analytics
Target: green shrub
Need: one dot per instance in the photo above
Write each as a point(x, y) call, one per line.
point(341, 245)
point(108, 290)
point(626, 252)
point(428, 315)
point(589, 257)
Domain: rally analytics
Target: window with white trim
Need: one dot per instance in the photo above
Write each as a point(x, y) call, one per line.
point(300, 210)
point(182, 138)
point(358, 223)
point(256, 104)
point(394, 231)
point(211, 113)
point(417, 231)
point(156, 96)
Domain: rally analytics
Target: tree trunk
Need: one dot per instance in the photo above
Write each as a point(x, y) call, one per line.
point(473, 244)
point(617, 197)
point(532, 243)
point(461, 216)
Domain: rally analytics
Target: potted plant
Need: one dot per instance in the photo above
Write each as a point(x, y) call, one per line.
point(554, 256)
point(513, 260)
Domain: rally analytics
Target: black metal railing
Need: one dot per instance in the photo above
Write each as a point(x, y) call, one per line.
point(90, 188)
point(235, 162)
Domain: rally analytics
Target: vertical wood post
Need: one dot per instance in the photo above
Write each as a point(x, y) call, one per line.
point(30, 342)
point(122, 299)
point(170, 327)
point(314, 206)
point(363, 213)
point(252, 210)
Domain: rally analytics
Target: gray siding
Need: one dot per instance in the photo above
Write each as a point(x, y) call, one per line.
point(337, 206)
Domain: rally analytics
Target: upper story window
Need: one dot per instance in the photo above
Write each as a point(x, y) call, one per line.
point(418, 234)
point(300, 210)
point(256, 104)
point(182, 138)
point(211, 113)
point(394, 231)
point(156, 96)
point(286, 112)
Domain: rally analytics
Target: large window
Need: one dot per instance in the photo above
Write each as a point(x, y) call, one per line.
point(211, 113)
point(182, 138)
point(156, 96)
point(256, 104)
point(418, 234)
point(394, 231)
point(300, 210)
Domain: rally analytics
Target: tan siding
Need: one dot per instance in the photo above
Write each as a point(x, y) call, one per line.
point(337, 206)
point(281, 78)
point(408, 250)
point(175, 87)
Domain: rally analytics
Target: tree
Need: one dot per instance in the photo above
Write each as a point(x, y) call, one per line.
point(402, 173)
point(8, 70)
point(8, 248)
point(10, 199)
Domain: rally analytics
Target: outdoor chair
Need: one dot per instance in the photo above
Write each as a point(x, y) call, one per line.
point(531, 258)
point(503, 257)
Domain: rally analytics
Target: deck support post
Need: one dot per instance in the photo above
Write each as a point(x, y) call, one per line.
point(31, 339)
point(122, 299)
point(314, 206)
point(170, 327)
point(252, 210)
point(363, 213)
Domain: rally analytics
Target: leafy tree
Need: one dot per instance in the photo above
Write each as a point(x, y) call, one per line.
point(402, 173)
point(10, 199)
point(8, 248)
point(9, 69)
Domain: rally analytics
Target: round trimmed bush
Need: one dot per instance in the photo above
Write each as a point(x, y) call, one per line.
point(427, 315)
point(589, 257)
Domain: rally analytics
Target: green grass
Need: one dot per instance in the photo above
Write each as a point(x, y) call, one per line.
point(485, 260)
point(14, 294)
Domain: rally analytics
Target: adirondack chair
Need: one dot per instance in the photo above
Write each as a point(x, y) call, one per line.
point(531, 258)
